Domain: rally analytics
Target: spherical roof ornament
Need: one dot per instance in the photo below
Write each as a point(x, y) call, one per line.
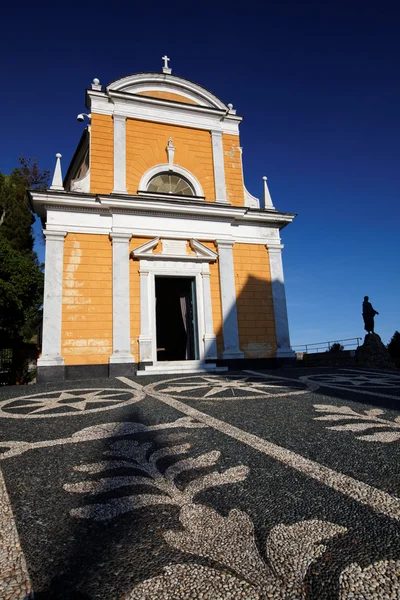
point(96, 84)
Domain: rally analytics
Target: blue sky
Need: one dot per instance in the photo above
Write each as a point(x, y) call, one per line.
point(318, 86)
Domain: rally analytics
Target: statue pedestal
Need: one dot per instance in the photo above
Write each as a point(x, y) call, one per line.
point(373, 353)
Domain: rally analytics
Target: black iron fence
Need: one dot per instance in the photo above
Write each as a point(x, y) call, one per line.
point(347, 344)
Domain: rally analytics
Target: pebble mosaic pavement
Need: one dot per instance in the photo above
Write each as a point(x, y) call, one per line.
point(259, 485)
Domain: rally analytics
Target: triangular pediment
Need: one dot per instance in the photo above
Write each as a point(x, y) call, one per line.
point(176, 249)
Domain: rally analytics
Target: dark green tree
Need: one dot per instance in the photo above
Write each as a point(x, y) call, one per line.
point(394, 348)
point(21, 275)
point(336, 347)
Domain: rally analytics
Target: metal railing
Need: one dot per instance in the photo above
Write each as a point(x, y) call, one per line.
point(350, 344)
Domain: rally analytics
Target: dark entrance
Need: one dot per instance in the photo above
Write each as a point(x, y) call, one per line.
point(176, 318)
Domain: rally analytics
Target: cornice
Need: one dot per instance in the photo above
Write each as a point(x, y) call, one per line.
point(108, 204)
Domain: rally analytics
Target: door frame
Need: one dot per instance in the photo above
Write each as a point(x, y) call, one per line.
point(193, 300)
point(200, 272)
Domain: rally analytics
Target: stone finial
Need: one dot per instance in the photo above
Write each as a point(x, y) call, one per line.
point(232, 111)
point(170, 153)
point(96, 85)
point(57, 183)
point(166, 69)
point(267, 200)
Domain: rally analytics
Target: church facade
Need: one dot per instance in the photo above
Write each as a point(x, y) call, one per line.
point(157, 257)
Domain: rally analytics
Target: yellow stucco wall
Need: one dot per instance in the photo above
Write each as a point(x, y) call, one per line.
point(87, 299)
point(257, 338)
point(146, 147)
point(101, 154)
point(167, 96)
point(233, 169)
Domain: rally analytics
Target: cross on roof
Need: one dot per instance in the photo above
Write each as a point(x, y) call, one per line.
point(166, 60)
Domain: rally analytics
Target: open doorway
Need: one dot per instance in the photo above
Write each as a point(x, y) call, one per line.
point(176, 322)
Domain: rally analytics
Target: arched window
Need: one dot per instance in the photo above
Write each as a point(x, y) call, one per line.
point(170, 183)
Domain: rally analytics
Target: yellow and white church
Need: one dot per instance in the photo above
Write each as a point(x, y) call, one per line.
point(158, 260)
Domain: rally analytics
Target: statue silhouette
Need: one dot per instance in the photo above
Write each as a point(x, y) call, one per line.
point(368, 314)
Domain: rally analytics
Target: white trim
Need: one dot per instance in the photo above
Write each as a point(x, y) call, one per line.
point(163, 111)
point(284, 349)
point(120, 299)
point(202, 251)
point(203, 254)
point(155, 206)
point(228, 300)
point(166, 168)
point(52, 303)
point(119, 154)
point(148, 270)
point(133, 83)
point(219, 167)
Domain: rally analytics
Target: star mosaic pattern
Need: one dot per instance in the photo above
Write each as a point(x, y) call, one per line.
point(227, 387)
point(355, 380)
point(67, 402)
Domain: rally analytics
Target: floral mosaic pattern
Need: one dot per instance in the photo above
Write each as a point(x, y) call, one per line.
point(357, 422)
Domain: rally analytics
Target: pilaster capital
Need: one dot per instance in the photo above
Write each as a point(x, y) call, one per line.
point(118, 117)
point(277, 248)
point(54, 236)
point(216, 133)
point(224, 244)
point(120, 237)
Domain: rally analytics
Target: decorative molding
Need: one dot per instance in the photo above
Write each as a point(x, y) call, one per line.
point(202, 250)
point(163, 111)
point(180, 267)
point(170, 153)
point(203, 254)
point(133, 83)
point(148, 176)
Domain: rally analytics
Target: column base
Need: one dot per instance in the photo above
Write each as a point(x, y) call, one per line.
point(232, 355)
point(47, 360)
point(121, 357)
point(121, 363)
point(285, 353)
point(50, 374)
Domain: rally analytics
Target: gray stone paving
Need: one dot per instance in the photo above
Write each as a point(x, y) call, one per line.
point(257, 485)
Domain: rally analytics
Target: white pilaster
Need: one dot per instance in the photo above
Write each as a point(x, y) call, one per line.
point(119, 154)
point(219, 168)
point(52, 304)
point(279, 299)
point(210, 340)
point(147, 309)
point(228, 300)
point(121, 301)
